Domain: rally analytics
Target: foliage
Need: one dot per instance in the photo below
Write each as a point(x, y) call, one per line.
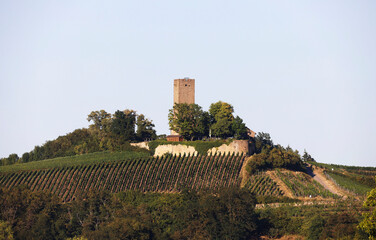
point(145, 129)
point(77, 160)
point(307, 157)
point(228, 214)
point(6, 232)
point(123, 125)
point(368, 224)
point(349, 183)
point(189, 120)
point(302, 185)
point(222, 119)
point(101, 120)
point(262, 184)
point(315, 227)
point(363, 170)
point(106, 133)
point(239, 128)
point(265, 199)
point(336, 221)
point(164, 174)
point(278, 157)
point(263, 142)
point(31, 215)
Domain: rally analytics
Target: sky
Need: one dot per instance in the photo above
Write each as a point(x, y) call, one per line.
point(302, 71)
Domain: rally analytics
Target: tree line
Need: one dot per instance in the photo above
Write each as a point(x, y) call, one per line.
point(107, 132)
point(269, 156)
point(193, 123)
point(227, 214)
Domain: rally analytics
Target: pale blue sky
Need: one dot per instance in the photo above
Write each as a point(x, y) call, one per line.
point(303, 71)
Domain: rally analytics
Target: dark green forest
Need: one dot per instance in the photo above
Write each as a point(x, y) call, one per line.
point(226, 214)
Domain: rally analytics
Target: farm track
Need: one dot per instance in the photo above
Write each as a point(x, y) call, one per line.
point(319, 176)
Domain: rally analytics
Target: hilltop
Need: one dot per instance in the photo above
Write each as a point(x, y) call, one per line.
point(97, 175)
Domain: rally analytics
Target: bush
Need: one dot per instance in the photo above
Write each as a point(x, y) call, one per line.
point(278, 157)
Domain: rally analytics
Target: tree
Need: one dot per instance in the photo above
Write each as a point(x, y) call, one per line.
point(101, 119)
point(123, 124)
point(239, 129)
point(221, 119)
point(306, 157)
point(145, 129)
point(263, 142)
point(189, 120)
point(6, 231)
point(12, 159)
point(368, 224)
point(26, 157)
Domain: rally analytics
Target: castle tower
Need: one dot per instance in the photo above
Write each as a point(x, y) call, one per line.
point(184, 92)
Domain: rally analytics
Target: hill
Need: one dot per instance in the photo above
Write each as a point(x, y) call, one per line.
point(135, 183)
point(120, 171)
point(165, 174)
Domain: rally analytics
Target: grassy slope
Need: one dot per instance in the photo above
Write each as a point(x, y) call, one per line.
point(342, 180)
point(77, 160)
point(359, 180)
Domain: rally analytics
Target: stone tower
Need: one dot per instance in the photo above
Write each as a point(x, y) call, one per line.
point(184, 92)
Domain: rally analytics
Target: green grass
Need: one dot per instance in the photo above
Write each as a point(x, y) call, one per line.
point(76, 160)
point(343, 167)
point(302, 185)
point(349, 184)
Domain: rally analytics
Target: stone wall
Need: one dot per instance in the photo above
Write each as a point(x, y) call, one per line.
point(236, 146)
point(175, 149)
point(141, 145)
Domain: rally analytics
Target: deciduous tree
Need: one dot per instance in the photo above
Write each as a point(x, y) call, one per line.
point(145, 129)
point(189, 120)
point(123, 124)
point(221, 119)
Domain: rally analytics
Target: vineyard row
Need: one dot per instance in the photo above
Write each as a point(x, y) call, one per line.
point(163, 174)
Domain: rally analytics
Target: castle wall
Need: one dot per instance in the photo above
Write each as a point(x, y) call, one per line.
point(236, 146)
point(175, 150)
point(141, 145)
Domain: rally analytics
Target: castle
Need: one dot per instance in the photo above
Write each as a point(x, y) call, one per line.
point(184, 92)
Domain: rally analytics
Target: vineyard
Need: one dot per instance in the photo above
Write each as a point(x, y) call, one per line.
point(302, 185)
point(262, 184)
point(164, 174)
point(358, 180)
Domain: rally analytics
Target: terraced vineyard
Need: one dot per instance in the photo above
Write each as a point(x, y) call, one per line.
point(164, 174)
point(302, 185)
point(262, 184)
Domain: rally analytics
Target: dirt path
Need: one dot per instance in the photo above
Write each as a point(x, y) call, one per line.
point(287, 192)
point(318, 175)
